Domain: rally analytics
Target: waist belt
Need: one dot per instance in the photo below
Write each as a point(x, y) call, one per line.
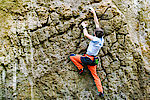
point(87, 60)
point(88, 55)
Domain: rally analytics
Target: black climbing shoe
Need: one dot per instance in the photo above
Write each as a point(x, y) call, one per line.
point(101, 94)
point(81, 71)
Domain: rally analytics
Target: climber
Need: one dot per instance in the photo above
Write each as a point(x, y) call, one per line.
point(90, 58)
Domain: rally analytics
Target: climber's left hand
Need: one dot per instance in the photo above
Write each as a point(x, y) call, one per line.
point(84, 24)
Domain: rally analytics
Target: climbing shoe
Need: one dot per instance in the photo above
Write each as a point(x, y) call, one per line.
point(81, 71)
point(101, 94)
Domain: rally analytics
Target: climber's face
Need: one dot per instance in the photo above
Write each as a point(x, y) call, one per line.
point(94, 33)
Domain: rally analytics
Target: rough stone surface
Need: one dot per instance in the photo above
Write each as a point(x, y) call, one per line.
point(37, 36)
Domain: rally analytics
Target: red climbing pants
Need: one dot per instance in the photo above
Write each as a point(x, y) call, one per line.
point(76, 59)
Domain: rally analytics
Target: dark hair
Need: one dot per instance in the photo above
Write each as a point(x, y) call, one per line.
point(99, 32)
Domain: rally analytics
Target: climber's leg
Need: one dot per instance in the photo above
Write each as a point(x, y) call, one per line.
point(76, 59)
point(96, 78)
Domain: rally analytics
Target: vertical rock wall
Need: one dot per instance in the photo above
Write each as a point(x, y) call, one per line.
point(37, 36)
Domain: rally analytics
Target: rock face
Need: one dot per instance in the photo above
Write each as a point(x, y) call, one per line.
point(37, 36)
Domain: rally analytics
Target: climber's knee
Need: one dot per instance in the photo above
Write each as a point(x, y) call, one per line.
point(71, 56)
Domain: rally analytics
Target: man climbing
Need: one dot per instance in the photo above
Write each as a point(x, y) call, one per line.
point(90, 58)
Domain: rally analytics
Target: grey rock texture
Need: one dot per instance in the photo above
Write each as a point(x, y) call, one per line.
point(37, 36)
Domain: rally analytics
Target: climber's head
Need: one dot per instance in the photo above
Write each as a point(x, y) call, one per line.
point(99, 32)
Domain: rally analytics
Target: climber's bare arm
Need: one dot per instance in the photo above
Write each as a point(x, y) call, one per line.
point(86, 32)
point(95, 17)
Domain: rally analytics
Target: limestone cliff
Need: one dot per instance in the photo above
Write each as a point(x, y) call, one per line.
point(37, 36)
